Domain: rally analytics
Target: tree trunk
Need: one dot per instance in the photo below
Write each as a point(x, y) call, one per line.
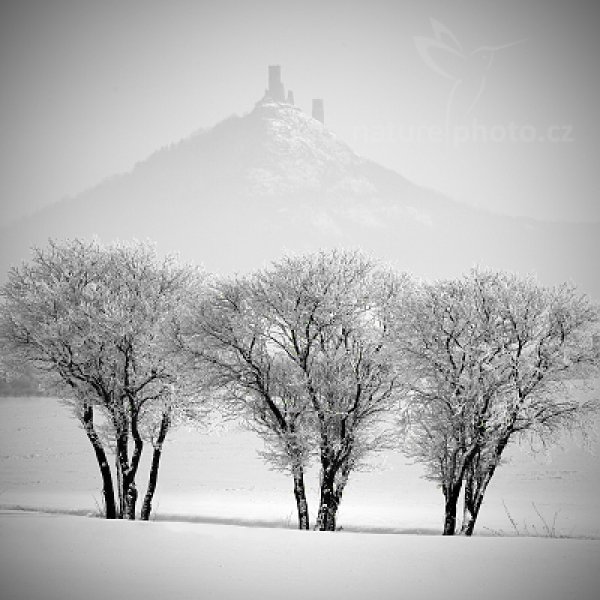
point(327, 505)
point(468, 521)
point(138, 446)
point(451, 494)
point(300, 494)
point(470, 513)
point(326, 518)
point(330, 497)
point(473, 505)
point(477, 479)
point(127, 490)
point(156, 456)
point(108, 492)
point(119, 472)
point(131, 496)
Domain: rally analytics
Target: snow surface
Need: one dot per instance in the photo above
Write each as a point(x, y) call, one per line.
point(62, 557)
point(212, 480)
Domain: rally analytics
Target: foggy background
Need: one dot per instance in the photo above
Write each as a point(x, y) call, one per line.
point(493, 104)
point(90, 88)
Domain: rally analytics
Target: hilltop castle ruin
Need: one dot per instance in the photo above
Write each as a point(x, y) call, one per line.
point(276, 92)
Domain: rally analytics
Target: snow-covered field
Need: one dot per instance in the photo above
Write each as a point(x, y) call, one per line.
point(63, 557)
point(213, 486)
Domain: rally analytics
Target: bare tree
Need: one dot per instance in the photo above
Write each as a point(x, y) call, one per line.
point(301, 350)
point(227, 334)
point(544, 338)
point(327, 316)
point(455, 377)
point(92, 320)
point(480, 349)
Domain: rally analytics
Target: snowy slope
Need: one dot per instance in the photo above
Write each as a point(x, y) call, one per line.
point(60, 557)
point(274, 180)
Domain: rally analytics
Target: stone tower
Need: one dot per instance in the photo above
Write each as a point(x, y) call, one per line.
point(318, 110)
point(276, 90)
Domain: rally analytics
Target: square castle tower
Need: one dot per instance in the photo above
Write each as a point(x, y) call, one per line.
point(276, 91)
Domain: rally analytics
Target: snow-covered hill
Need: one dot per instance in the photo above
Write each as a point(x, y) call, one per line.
point(276, 180)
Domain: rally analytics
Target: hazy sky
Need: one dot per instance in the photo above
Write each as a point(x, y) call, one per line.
point(494, 103)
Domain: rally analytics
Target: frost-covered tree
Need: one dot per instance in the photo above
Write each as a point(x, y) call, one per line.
point(489, 353)
point(301, 349)
point(94, 322)
point(327, 318)
point(544, 339)
point(227, 335)
point(454, 379)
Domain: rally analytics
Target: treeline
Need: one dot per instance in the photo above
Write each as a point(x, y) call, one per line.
point(328, 356)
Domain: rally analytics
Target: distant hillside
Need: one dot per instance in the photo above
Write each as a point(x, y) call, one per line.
point(274, 180)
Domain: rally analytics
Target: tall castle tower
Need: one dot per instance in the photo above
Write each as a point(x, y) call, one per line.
point(276, 89)
point(276, 92)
